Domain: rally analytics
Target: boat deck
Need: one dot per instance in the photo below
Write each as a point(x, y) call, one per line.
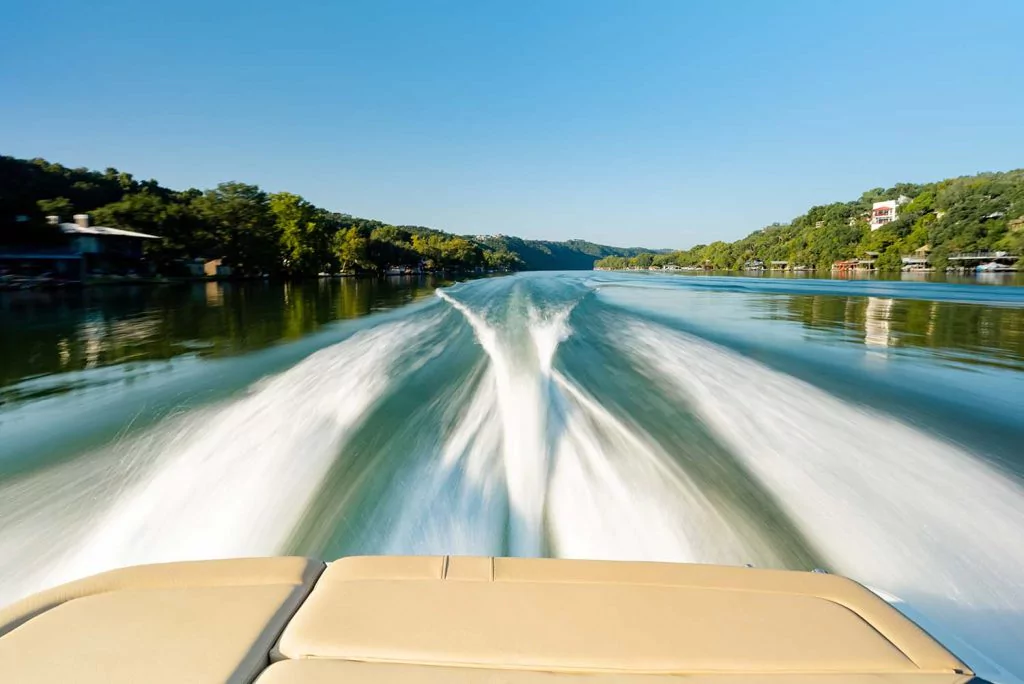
point(465, 620)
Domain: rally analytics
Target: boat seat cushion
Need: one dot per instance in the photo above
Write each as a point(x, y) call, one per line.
point(566, 616)
point(178, 622)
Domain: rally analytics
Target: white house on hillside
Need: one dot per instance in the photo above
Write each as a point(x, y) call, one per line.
point(885, 212)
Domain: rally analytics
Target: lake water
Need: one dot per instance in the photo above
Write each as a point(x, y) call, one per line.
point(869, 428)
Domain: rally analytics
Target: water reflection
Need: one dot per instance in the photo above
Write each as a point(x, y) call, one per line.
point(980, 278)
point(877, 322)
point(958, 331)
point(214, 294)
point(53, 332)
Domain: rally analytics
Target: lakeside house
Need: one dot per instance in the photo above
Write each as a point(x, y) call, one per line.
point(413, 269)
point(983, 261)
point(40, 264)
point(918, 261)
point(104, 249)
point(867, 262)
point(886, 211)
point(216, 268)
point(200, 267)
point(85, 250)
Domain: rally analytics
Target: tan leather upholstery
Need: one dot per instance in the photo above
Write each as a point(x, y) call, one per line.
point(177, 622)
point(214, 573)
point(348, 672)
point(428, 620)
point(603, 616)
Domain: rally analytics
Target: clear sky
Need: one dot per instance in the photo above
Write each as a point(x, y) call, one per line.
point(633, 122)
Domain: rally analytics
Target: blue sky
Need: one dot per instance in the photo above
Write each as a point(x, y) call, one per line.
point(636, 122)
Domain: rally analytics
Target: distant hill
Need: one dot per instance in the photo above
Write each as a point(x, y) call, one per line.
point(979, 213)
point(546, 255)
point(257, 232)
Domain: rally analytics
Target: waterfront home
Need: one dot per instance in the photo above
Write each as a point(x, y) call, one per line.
point(38, 265)
point(867, 262)
point(918, 261)
point(413, 269)
point(217, 268)
point(83, 251)
point(970, 261)
point(885, 212)
point(846, 265)
point(103, 249)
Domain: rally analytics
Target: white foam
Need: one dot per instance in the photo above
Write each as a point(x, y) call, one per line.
point(521, 377)
point(595, 486)
point(616, 495)
point(231, 480)
point(453, 500)
point(887, 504)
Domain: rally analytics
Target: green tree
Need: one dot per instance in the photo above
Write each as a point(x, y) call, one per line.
point(503, 260)
point(58, 206)
point(306, 234)
point(890, 260)
point(644, 260)
point(242, 225)
point(180, 230)
point(350, 249)
point(143, 212)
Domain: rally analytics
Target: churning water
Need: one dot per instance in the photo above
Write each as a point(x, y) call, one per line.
point(582, 416)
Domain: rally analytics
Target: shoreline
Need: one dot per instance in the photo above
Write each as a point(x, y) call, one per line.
point(1003, 278)
point(22, 284)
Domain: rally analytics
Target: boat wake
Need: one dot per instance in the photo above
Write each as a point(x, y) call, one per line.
point(883, 502)
point(229, 480)
point(528, 416)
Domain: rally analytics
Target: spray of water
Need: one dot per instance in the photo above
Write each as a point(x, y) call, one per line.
point(616, 494)
point(519, 457)
point(580, 482)
point(886, 503)
point(521, 377)
point(231, 480)
point(453, 500)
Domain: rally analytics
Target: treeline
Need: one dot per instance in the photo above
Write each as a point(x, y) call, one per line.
point(254, 231)
point(966, 214)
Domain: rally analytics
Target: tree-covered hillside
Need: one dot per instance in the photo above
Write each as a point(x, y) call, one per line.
point(966, 214)
point(546, 255)
point(256, 232)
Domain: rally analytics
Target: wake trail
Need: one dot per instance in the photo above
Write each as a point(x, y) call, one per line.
point(230, 480)
point(885, 503)
point(581, 482)
point(521, 380)
point(453, 497)
point(617, 495)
